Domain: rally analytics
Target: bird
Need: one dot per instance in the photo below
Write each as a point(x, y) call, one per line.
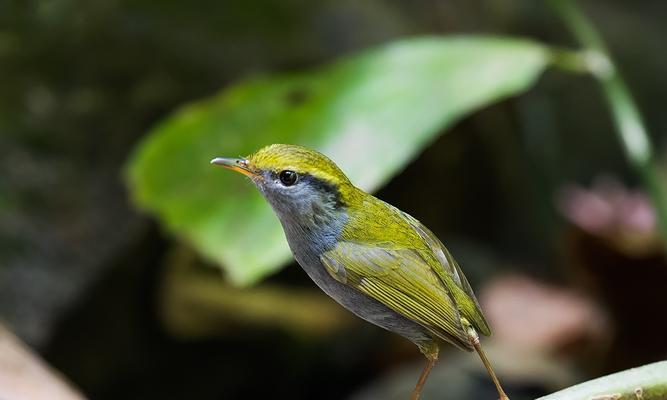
point(375, 260)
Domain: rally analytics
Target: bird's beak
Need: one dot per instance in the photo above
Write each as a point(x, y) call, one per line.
point(235, 164)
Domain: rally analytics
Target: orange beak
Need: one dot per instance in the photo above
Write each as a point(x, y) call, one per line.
point(235, 164)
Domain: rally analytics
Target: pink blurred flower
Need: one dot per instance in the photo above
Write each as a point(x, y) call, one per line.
point(620, 216)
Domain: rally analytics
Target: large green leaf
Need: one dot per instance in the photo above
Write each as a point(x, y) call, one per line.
point(648, 382)
point(371, 113)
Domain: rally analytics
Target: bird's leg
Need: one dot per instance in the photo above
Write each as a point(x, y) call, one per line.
point(431, 354)
point(474, 341)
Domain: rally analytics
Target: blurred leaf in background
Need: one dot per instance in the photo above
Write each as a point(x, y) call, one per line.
point(372, 113)
point(85, 81)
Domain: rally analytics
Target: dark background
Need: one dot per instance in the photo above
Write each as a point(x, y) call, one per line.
point(82, 273)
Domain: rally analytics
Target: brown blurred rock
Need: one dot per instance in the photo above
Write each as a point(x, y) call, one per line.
point(531, 316)
point(23, 375)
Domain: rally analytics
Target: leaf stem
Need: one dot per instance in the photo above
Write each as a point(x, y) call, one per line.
point(630, 127)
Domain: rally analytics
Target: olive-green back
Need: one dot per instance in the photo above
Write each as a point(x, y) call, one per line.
point(392, 257)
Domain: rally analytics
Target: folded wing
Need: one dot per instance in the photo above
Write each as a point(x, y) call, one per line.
point(403, 280)
point(452, 276)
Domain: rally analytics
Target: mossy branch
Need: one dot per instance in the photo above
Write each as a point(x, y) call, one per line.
point(196, 302)
point(644, 383)
point(630, 127)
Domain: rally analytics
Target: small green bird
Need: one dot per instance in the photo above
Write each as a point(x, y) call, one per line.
point(375, 260)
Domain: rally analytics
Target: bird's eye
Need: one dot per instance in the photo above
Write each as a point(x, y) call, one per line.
point(287, 177)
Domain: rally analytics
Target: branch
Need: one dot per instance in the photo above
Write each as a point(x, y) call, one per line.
point(644, 383)
point(197, 303)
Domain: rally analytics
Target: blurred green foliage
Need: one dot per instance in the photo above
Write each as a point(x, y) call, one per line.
point(372, 113)
point(83, 81)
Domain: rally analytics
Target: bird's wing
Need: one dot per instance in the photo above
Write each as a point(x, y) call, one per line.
point(452, 276)
point(402, 279)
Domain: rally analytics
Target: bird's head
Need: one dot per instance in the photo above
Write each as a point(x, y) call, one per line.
point(301, 184)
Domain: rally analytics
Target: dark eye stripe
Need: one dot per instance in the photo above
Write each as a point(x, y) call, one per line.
point(324, 187)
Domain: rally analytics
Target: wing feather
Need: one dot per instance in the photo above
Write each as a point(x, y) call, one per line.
point(453, 277)
point(401, 279)
point(396, 260)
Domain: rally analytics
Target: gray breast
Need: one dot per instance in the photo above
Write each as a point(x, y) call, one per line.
point(307, 252)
